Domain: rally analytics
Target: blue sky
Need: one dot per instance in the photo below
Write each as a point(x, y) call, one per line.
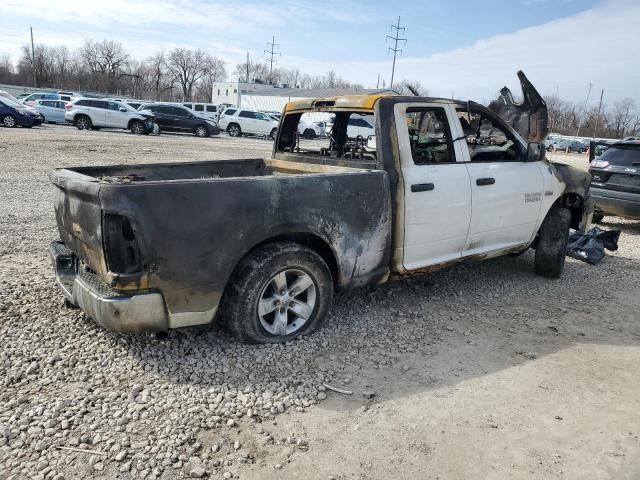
point(464, 47)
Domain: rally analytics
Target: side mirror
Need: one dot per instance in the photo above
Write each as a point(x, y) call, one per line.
point(122, 109)
point(535, 152)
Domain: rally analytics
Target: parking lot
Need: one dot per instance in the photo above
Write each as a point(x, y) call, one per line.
point(483, 371)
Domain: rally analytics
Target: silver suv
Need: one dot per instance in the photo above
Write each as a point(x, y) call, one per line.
point(96, 113)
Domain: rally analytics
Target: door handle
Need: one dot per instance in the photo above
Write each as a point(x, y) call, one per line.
point(422, 187)
point(485, 181)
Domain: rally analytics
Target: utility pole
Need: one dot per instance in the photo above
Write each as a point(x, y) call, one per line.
point(396, 38)
point(33, 59)
point(247, 66)
point(272, 51)
point(584, 108)
point(378, 82)
point(595, 128)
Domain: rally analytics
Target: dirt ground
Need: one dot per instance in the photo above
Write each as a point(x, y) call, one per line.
point(485, 371)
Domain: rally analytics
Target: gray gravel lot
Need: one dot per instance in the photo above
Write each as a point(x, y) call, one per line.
point(482, 371)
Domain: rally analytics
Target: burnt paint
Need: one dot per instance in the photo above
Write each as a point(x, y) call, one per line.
point(192, 234)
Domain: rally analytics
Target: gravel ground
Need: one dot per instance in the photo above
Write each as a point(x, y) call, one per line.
point(482, 371)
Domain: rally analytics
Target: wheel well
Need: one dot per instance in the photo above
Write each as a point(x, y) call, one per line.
point(78, 115)
point(311, 241)
point(575, 204)
point(233, 123)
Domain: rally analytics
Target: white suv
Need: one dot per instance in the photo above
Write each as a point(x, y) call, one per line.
point(96, 113)
point(237, 122)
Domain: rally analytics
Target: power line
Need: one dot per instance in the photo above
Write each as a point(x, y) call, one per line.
point(396, 38)
point(272, 51)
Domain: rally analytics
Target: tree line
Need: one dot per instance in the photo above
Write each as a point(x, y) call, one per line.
point(180, 74)
point(618, 120)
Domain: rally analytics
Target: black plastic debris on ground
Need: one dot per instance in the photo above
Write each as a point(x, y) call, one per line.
point(590, 246)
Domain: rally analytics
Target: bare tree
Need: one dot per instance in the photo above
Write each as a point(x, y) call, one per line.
point(159, 77)
point(215, 72)
point(251, 72)
point(187, 67)
point(411, 87)
point(104, 60)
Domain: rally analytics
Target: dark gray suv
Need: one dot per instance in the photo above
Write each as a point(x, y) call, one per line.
point(615, 184)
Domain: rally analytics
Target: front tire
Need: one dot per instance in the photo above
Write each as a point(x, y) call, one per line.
point(9, 121)
point(83, 122)
point(277, 293)
point(273, 133)
point(234, 130)
point(551, 244)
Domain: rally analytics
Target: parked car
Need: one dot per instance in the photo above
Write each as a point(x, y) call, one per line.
point(93, 113)
point(311, 130)
point(265, 242)
point(615, 184)
point(52, 111)
point(176, 118)
point(570, 146)
point(360, 126)
point(31, 98)
point(237, 122)
point(208, 111)
point(14, 114)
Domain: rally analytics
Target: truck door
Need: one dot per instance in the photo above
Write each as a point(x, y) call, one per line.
point(437, 194)
point(506, 190)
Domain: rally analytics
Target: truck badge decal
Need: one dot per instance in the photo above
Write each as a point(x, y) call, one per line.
point(532, 197)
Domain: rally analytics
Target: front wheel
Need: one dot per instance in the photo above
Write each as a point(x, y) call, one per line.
point(551, 244)
point(273, 133)
point(277, 293)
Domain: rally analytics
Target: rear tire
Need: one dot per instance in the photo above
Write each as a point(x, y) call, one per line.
point(9, 121)
point(83, 122)
point(309, 134)
point(277, 293)
point(551, 244)
point(201, 131)
point(137, 127)
point(273, 133)
point(234, 130)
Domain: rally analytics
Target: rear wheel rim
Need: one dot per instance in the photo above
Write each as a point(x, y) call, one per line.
point(287, 302)
point(9, 121)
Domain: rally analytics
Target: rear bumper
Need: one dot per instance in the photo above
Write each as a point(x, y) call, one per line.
point(620, 204)
point(144, 312)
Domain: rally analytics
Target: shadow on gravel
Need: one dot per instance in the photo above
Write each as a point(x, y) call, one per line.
point(417, 334)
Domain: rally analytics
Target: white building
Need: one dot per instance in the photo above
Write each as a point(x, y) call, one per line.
point(270, 98)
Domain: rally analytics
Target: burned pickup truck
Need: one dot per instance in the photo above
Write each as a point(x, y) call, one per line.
point(264, 243)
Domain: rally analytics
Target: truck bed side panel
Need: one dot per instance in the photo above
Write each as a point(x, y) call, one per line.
point(193, 234)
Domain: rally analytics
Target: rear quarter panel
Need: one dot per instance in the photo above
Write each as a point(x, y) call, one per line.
point(194, 233)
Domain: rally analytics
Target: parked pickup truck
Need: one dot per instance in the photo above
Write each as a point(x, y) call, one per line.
point(264, 243)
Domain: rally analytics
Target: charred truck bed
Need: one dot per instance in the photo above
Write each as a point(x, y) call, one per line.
point(179, 230)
